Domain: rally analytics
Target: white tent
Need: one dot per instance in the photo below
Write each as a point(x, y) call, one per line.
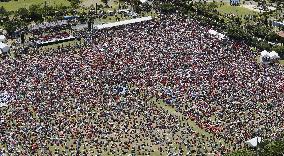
point(215, 33)
point(143, 1)
point(274, 55)
point(254, 141)
point(109, 25)
point(4, 48)
point(264, 53)
point(221, 36)
point(2, 38)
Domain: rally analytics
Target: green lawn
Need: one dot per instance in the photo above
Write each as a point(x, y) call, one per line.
point(172, 111)
point(281, 62)
point(15, 5)
point(237, 10)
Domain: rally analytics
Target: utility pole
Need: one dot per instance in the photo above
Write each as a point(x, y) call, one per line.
point(96, 8)
point(257, 145)
point(45, 9)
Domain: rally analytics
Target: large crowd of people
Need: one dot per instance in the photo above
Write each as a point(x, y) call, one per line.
point(137, 89)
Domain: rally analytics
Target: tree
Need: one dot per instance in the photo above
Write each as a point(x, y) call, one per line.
point(237, 33)
point(12, 25)
point(146, 7)
point(167, 8)
point(2, 10)
point(74, 3)
point(272, 37)
point(279, 50)
point(36, 13)
point(23, 14)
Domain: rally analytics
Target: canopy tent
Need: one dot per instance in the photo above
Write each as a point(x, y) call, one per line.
point(266, 57)
point(215, 33)
point(254, 141)
point(2, 38)
point(221, 36)
point(274, 55)
point(109, 25)
point(4, 48)
point(264, 53)
point(143, 1)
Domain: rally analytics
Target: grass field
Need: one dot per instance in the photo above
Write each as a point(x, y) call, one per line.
point(237, 10)
point(15, 5)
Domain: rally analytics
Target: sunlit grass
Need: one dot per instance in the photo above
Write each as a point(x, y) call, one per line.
point(15, 5)
point(237, 10)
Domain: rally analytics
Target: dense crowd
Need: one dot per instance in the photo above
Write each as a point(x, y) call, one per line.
point(136, 89)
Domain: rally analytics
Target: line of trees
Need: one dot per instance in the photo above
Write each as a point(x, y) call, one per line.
point(13, 20)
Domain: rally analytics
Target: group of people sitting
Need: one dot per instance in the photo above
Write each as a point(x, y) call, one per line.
point(159, 87)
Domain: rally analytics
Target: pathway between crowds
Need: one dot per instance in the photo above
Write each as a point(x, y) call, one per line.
point(174, 112)
point(193, 125)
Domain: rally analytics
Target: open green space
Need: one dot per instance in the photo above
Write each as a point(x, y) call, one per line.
point(15, 5)
point(237, 10)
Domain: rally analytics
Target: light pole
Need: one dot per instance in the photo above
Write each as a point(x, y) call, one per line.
point(257, 142)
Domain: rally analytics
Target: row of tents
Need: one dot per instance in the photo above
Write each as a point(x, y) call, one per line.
point(109, 25)
point(271, 55)
point(217, 34)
